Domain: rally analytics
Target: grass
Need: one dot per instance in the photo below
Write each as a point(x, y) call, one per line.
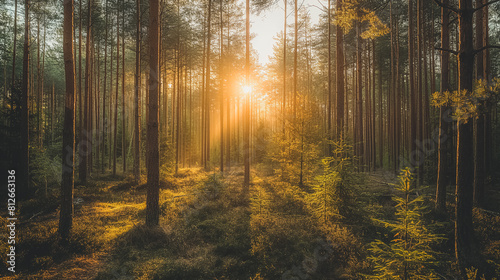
point(209, 229)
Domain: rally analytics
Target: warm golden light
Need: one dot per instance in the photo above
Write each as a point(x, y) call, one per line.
point(246, 89)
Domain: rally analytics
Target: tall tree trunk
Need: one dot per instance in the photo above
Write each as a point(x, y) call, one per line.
point(104, 117)
point(85, 147)
point(443, 177)
point(124, 132)
point(412, 93)
point(329, 74)
point(207, 87)
point(246, 125)
point(52, 112)
point(13, 79)
point(152, 143)
point(420, 123)
point(467, 252)
point(359, 93)
point(38, 89)
point(137, 96)
point(283, 108)
point(42, 75)
point(479, 139)
point(228, 102)
point(68, 150)
point(115, 121)
point(80, 95)
point(295, 51)
point(487, 118)
point(24, 130)
point(221, 90)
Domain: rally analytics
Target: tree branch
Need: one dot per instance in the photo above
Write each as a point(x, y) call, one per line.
point(451, 8)
point(484, 5)
point(486, 47)
point(446, 50)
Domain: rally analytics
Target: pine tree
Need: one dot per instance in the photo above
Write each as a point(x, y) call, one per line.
point(332, 197)
point(409, 254)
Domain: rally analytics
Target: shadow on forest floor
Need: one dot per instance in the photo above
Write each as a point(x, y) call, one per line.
point(209, 229)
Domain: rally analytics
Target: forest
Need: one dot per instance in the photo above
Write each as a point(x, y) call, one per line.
point(153, 139)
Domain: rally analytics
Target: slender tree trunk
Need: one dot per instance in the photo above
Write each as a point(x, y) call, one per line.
point(283, 108)
point(467, 252)
point(43, 80)
point(359, 93)
point(152, 144)
point(38, 89)
point(207, 87)
point(412, 93)
point(13, 79)
point(68, 150)
point(221, 90)
point(420, 123)
point(443, 179)
point(24, 129)
point(124, 132)
point(479, 139)
point(104, 116)
point(295, 50)
point(246, 125)
point(487, 118)
point(228, 102)
point(80, 98)
point(329, 93)
point(52, 112)
point(137, 97)
point(84, 140)
point(380, 118)
point(115, 121)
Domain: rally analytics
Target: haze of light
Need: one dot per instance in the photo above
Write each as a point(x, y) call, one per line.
point(269, 23)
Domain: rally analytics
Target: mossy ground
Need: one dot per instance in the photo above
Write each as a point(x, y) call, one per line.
point(210, 228)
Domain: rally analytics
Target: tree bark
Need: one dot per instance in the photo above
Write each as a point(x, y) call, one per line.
point(221, 90)
point(466, 249)
point(68, 151)
point(359, 94)
point(24, 130)
point(207, 87)
point(124, 132)
point(443, 179)
point(340, 75)
point(152, 147)
point(115, 120)
point(104, 117)
point(13, 79)
point(84, 144)
point(137, 97)
point(246, 125)
point(479, 139)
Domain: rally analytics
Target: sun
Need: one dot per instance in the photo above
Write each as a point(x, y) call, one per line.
point(246, 89)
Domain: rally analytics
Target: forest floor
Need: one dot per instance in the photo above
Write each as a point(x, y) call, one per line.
point(210, 228)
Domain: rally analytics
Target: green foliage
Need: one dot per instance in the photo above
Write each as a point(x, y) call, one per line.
point(332, 197)
point(467, 105)
point(296, 151)
point(45, 171)
point(409, 254)
point(260, 201)
point(352, 12)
